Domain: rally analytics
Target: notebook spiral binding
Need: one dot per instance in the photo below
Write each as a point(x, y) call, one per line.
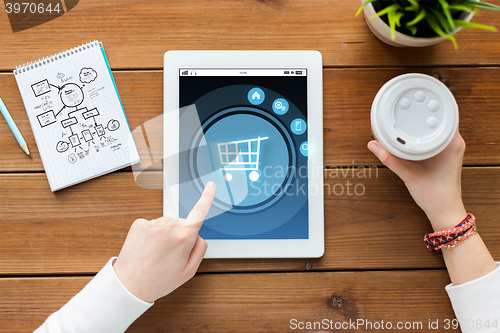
point(53, 58)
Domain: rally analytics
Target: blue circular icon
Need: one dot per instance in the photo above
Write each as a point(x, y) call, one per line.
point(254, 181)
point(298, 126)
point(256, 96)
point(280, 106)
point(304, 149)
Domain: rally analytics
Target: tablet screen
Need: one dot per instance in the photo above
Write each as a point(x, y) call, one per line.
point(245, 130)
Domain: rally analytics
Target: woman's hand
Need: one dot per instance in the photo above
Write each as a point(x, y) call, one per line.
point(160, 255)
point(434, 184)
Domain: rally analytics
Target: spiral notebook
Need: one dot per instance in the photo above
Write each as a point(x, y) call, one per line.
point(76, 115)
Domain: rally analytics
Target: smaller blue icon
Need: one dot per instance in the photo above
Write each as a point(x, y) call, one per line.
point(280, 106)
point(298, 126)
point(304, 149)
point(256, 96)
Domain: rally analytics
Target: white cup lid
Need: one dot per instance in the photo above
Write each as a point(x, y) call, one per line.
point(414, 116)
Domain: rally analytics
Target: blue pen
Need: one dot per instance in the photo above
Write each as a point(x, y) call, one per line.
point(13, 128)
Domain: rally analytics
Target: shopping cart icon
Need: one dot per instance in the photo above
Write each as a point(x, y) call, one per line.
point(242, 155)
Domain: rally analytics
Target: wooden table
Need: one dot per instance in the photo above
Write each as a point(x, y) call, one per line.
point(375, 265)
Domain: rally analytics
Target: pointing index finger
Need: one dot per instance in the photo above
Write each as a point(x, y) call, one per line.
point(200, 210)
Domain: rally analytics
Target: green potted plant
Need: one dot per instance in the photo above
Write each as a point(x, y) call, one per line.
point(421, 22)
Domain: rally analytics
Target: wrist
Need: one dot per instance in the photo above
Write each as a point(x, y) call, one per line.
point(130, 282)
point(447, 218)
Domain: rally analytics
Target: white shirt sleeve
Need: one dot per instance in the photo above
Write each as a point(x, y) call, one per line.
point(477, 303)
point(103, 306)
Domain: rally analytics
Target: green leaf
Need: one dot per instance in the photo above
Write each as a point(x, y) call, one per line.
point(392, 24)
point(412, 29)
point(461, 8)
point(366, 3)
point(447, 13)
point(397, 18)
point(418, 18)
point(414, 4)
point(463, 24)
point(387, 10)
point(433, 24)
point(481, 5)
point(440, 20)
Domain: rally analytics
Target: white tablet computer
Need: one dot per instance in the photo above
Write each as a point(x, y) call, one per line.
point(252, 122)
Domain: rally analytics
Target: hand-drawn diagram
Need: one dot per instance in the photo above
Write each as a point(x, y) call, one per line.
point(87, 75)
point(41, 88)
point(81, 124)
point(46, 103)
point(62, 146)
point(46, 118)
point(71, 95)
point(72, 158)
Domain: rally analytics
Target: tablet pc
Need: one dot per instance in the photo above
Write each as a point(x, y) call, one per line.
point(252, 122)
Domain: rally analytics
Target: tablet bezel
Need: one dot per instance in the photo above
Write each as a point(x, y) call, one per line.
point(313, 247)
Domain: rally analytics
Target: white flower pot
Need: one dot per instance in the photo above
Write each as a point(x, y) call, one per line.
point(383, 32)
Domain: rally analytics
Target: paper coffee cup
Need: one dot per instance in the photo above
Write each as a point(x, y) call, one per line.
point(414, 116)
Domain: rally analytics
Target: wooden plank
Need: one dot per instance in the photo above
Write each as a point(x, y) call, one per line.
point(78, 229)
point(89, 220)
point(348, 94)
point(136, 34)
point(256, 302)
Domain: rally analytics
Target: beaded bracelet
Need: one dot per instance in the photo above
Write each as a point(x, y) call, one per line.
point(457, 241)
point(449, 238)
point(448, 235)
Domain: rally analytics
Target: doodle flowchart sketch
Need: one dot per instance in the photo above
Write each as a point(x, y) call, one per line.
point(79, 120)
point(76, 115)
